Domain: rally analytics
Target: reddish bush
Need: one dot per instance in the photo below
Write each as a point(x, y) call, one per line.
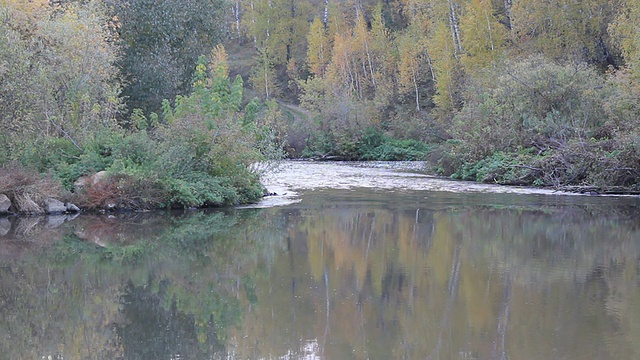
point(122, 192)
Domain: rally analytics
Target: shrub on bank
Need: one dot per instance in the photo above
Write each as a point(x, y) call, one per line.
point(372, 145)
point(535, 122)
point(197, 154)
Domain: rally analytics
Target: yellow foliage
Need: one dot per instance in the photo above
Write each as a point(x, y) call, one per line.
point(482, 35)
point(318, 51)
point(219, 65)
point(442, 52)
point(626, 32)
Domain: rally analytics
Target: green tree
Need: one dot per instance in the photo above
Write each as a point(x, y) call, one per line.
point(161, 41)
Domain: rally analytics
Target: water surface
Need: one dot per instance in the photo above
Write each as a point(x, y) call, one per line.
point(358, 272)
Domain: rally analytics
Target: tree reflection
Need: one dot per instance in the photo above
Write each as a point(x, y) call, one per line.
point(135, 287)
point(474, 282)
point(149, 330)
point(372, 280)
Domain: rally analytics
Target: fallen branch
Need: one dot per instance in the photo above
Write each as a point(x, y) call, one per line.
point(600, 190)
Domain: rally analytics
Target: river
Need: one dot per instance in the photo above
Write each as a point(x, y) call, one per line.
point(347, 261)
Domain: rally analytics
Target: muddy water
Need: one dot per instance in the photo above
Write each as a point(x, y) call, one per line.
point(356, 261)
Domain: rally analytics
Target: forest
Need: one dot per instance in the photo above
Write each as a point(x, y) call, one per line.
point(176, 100)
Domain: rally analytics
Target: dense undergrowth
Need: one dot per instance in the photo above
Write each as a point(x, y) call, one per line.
point(196, 154)
point(373, 144)
point(549, 125)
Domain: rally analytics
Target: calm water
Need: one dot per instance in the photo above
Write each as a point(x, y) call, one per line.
point(343, 274)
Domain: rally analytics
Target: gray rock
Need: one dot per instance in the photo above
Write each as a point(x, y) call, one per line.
point(81, 182)
point(87, 180)
point(5, 204)
point(5, 226)
point(53, 206)
point(98, 177)
point(72, 208)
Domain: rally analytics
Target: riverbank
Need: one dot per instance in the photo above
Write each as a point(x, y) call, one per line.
point(27, 192)
point(285, 182)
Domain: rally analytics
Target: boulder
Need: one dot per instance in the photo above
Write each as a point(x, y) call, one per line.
point(53, 206)
point(99, 176)
point(89, 180)
point(5, 204)
point(72, 208)
point(81, 182)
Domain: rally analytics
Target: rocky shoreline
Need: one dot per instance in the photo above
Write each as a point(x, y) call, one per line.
point(49, 206)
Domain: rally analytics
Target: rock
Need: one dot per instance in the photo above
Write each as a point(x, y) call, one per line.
point(5, 226)
point(5, 204)
point(90, 180)
point(72, 208)
point(99, 176)
point(81, 182)
point(53, 206)
point(72, 216)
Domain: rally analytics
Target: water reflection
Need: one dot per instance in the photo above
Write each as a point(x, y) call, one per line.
point(357, 274)
point(151, 330)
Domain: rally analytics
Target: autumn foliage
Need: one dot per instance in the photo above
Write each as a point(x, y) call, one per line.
point(506, 83)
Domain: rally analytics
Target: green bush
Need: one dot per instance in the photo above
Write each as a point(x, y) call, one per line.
point(535, 122)
point(374, 145)
point(531, 102)
point(501, 167)
point(199, 154)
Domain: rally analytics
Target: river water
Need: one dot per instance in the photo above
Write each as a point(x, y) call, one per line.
point(348, 261)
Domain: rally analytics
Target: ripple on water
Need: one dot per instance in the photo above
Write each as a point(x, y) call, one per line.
point(291, 177)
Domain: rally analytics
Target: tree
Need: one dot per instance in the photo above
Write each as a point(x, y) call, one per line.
point(565, 30)
point(280, 25)
point(411, 53)
point(263, 77)
point(446, 67)
point(438, 26)
point(57, 72)
point(482, 35)
point(318, 50)
point(383, 55)
point(626, 31)
point(292, 28)
point(161, 41)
